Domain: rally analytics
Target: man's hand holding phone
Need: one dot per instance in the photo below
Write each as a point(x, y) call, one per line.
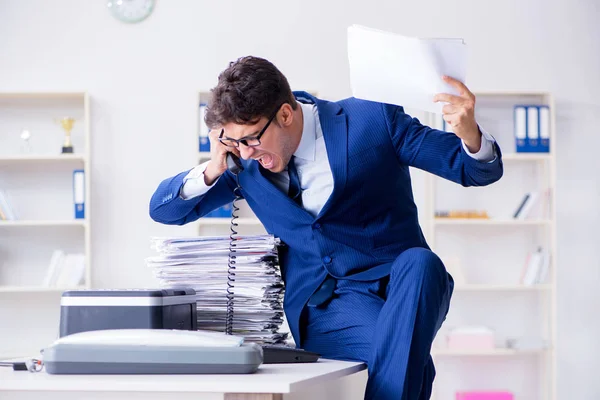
point(218, 158)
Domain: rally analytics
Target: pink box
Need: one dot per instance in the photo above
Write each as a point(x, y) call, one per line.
point(484, 396)
point(470, 341)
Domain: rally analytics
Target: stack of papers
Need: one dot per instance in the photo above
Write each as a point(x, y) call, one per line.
point(201, 263)
point(406, 71)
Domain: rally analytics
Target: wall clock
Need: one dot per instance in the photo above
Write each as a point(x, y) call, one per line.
point(131, 11)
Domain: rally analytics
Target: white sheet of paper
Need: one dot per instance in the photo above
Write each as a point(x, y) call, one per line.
point(406, 71)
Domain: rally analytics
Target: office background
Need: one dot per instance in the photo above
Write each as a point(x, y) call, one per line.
point(143, 80)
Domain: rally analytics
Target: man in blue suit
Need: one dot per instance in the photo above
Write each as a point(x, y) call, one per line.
point(331, 179)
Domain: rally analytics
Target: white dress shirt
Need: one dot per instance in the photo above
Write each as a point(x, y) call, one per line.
point(312, 164)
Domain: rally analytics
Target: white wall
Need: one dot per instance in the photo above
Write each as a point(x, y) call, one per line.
point(143, 80)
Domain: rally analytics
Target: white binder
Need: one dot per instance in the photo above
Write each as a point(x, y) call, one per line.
point(533, 133)
point(79, 193)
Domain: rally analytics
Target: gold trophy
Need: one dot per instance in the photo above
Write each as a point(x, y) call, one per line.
point(67, 125)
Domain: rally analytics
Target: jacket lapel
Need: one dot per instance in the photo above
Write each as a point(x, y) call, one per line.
point(335, 134)
point(271, 191)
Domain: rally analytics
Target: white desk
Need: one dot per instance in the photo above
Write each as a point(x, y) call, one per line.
point(269, 383)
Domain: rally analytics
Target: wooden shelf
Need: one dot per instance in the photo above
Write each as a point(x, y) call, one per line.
point(481, 221)
point(42, 158)
point(44, 95)
point(485, 353)
point(510, 94)
point(36, 289)
point(527, 157)
point(81, 222)
point(502, 288)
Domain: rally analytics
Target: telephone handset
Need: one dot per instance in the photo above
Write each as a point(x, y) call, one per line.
point(234, 165)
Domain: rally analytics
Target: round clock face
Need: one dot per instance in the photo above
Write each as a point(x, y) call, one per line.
point(131, 10)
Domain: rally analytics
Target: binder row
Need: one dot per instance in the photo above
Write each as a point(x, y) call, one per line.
point(532, 128)
point(201, 263)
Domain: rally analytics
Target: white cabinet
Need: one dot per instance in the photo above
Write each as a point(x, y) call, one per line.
point(37, 182)
point(489, 256)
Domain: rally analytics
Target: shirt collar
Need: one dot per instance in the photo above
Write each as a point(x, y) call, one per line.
point(307, 147)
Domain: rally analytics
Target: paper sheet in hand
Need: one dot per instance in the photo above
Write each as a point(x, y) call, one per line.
point(406, 71)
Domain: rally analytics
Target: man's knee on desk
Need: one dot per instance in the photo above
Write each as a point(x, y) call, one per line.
point(347, 320)
point(419, 264)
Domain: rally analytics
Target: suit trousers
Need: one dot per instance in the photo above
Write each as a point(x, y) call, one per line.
point(389, 324)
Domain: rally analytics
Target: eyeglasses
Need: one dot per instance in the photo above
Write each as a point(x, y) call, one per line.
point(249, 141)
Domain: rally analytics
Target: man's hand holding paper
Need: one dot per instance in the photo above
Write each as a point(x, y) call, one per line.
point(460, 114)
point(425, 74)
point(401, 70)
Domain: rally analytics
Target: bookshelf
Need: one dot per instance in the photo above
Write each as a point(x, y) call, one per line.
point(501, 288)
point(38, 289)
point(483, 222)
point(489, 257)
point(37, 181)
point(485, 353)
point(27, 158)
point(43, 223)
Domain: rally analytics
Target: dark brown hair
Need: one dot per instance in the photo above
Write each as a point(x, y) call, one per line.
point(250, 88)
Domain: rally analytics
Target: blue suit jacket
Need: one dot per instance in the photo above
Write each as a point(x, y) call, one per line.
point(370, 217)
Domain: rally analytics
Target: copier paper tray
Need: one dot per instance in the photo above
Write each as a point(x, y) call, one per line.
point(148, 352)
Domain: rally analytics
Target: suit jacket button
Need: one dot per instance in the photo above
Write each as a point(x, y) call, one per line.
point(317, 225)
point(326, 259)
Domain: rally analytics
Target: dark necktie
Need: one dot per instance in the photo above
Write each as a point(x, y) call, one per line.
point(294, 191)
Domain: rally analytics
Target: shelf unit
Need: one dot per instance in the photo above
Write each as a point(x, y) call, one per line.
point(38, 182)
point(43, 223)
point(37, 289)
point(486, 353)
point(501, 288)
point(491, 254)
point(27, 158)
point(483, 222)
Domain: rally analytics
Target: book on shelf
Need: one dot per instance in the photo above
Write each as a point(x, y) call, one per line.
point(472, 214)
point(535, 270)
point(65, 270)
point(526, 205)
point(6, 211)
point(533, 205)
